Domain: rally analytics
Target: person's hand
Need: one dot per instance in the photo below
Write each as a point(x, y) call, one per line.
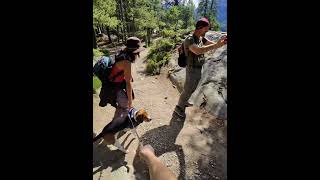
point(225, 39)
point(222, 41)
point(145, 151)
point(130, 105)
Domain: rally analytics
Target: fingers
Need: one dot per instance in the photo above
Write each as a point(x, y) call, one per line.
point(130, 105)
point(223, 40)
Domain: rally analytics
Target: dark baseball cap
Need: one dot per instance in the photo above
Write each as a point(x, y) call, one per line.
point(203, 22)
point(134, 44)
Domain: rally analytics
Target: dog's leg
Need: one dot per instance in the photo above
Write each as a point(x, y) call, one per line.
point(119, 146)
point(133, 131)
point(95, 138)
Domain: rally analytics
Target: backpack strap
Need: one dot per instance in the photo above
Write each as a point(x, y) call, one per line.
point(193, 55)
point(120, 57)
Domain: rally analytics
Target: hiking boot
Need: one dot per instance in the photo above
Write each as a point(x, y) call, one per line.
point(103, 103)
point(179, 112)
point(189, 104)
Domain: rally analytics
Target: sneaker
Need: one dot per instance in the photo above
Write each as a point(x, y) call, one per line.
point(179, 112)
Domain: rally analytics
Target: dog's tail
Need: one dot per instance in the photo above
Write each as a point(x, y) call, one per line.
point(97, 137)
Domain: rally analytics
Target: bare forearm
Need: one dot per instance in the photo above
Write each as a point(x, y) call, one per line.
point(129, 91)
point(208, 42)
point(157, 170)
point(207, 48)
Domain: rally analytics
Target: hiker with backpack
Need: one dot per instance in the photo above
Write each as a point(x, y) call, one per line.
point(191, 56)
point(116, 77)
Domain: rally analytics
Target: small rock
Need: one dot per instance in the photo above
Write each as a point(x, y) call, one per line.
point(153, 82)
point(156, 78)
point(205, 176)
point(174, 86)
point(166, 97)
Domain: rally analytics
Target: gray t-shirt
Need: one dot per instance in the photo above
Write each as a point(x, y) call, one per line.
point(192, 59)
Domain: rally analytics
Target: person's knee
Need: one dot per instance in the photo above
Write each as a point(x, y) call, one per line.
point(109, 138)
point(122, 100)
point(186, 93)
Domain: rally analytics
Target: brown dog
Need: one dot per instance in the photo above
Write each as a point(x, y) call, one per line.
point(110, 131)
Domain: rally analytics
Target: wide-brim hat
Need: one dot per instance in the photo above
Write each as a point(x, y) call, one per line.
point(134, 44)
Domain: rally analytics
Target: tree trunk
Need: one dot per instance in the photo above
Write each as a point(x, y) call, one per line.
point(213, 8)
point(94, 39)
point(99, 28)
point(123, 21)
point(128, 24)
point(133, 26)
point(149, 35)
point(134, 30)
point(118, 35)
point(109, 36)
point(146, 39)
point(122, 33)
point(97, 31)
point(102, 28)
point(205, 8)
point(119, 17)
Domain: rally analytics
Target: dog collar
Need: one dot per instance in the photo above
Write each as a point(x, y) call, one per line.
point(131, 113)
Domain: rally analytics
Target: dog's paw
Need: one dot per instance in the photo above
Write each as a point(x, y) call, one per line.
point(124, 151)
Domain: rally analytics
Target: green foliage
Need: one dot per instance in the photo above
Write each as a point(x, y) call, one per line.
point(214, 23)
point(173, 18)
point(183, 32)
point(141, 17)
point(96, 83)
point(105, 52)
point(151, 67)
point(168, 33)
point(104, 13)
point(208, 9)
point(187, 15)
point(97, 53)
point(162, 45)
point(159, 55)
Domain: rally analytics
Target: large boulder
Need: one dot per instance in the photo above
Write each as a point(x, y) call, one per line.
point(211, 93)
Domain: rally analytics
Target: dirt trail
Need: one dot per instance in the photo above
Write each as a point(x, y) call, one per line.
point(193, 149)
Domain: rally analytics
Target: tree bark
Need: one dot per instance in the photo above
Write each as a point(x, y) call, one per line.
point(123, 21)
point(205, 8)
point(118, 34)
point(109, 36)
point(94, 39)
point(213, 8)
